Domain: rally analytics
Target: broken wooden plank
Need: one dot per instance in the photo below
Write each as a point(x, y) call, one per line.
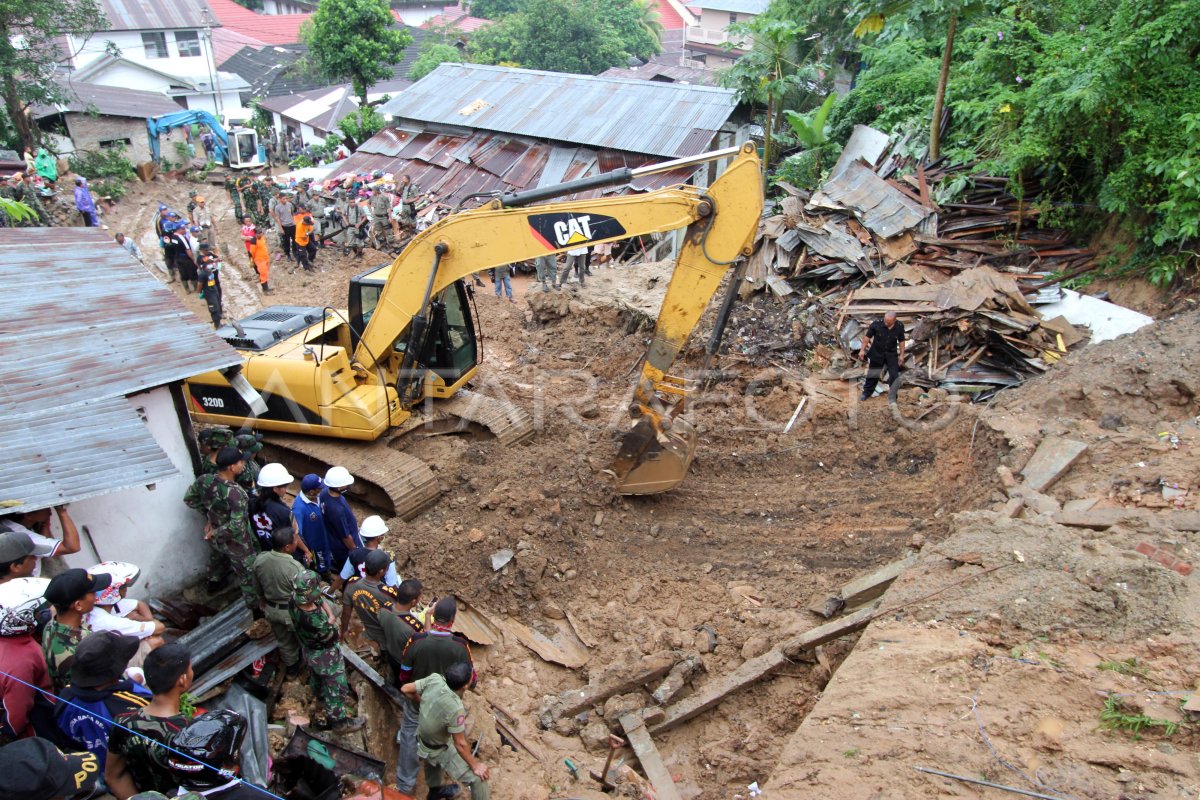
point(368, 672)
point(565, 652)
point(639, 739)
point(870, 586)
point(1100, 518)
point(606, 685)
point(758, 668)
point(1053, 457)
point(676, 679)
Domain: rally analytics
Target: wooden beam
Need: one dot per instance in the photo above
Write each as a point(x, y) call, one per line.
point(758, 668)
point(573, 701)
point(639, 739)
point(368, 672)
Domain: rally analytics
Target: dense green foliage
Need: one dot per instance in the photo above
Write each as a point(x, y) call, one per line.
point(580, 36)
point(29, 53)
point(354, 40)
point(356, 128)
point(433, 53)
point(1094, 105)
point(494, 9)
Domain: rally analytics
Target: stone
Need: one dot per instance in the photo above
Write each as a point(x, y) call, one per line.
point(620, 705)
point(1112, 422)
point(500, 558)
point(475, 535)
point(1007, 479)
point(1048, 734)
point(755, 646)
point(595, 735)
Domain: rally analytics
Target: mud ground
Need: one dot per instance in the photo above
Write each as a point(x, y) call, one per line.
point(766, 523)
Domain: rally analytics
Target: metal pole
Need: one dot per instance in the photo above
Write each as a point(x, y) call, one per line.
point(1012, 789)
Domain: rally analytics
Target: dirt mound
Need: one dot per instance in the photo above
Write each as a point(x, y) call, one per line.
point(1150, 375)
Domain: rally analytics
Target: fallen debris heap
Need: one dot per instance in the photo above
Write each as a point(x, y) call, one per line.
point(960, 259)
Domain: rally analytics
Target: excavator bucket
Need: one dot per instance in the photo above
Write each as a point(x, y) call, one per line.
point(649, 462)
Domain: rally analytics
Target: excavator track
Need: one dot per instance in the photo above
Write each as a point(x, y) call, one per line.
point(389, 480)
point(508, 422)
point(392, 481)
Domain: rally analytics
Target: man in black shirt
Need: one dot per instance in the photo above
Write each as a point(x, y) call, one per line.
point(883, 345)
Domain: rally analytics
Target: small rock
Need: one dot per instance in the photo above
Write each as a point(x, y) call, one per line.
point(1112, 422)
point(552, 610)
point(620, 705)
point(755, 646)
point(598, 520)
point(475, 535)
point(570, 575)
point(568, 356)
point(1048, 734)
point(523, 545)
point(917, 541)
point(1007, 479)
point(500, 558)
point(706, 568)
point(595, 735)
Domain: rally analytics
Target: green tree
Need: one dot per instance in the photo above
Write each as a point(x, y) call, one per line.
point(353, 40)
point(360, 126)
point(433, 54)
point(577, 36)
point(30, 32)
point(636, 23)
point(495, 9)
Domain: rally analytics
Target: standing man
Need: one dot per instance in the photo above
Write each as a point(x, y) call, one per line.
point(22, 664)
point(310, 523)
point(202, 216)
point(883, 345)
point(73, 595)
point(356, 225)
point(441, 733)
point(372, 530)
point(283, 211)
point(339, 518)
point(305, 243)
point(436, 648)
point(381, 206)
point(274, 579)
point(398, 629)
point(576, 259)
point(547, 266)
point(84, 203)
point(228, 527)
point(369, 597)
point(235, 197)
point(208, 275)
point(260, 257)
point(318, 634)
point(35, 526)
point(134, 759)
point(503, 277)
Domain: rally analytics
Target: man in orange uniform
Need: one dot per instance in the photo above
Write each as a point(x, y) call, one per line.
point(262, 259)
point(306, 245)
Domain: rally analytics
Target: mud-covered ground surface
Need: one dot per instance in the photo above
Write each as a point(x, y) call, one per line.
point(768, 522)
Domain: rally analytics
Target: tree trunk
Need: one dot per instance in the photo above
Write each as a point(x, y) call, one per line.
point(17, 113)
point(939, 99)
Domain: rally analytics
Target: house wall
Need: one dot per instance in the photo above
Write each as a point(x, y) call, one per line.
point(131, 47)
point(149, 526)
point(713, 20)
point(87, 132)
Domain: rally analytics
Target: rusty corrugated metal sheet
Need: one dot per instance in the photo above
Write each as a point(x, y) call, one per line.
point(882, 208)
point(154, 15)
point(83, 326)
point(662, 119)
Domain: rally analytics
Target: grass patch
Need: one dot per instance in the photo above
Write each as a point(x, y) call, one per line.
point(852, 753)
point(1129, 666)
point(1120, 717)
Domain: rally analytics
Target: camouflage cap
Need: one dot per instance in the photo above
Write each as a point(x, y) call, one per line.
point(216, 438)
point(249, 443)
point(306, 587)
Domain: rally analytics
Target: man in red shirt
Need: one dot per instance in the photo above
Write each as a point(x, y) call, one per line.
point(21, 658)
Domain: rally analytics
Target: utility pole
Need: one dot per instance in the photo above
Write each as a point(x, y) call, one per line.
point(214, 75)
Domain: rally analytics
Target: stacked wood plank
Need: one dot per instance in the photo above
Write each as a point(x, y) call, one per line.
point(963, 274)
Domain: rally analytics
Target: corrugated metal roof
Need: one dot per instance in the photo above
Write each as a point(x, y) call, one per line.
point(113, 101)
point(82, 325)
point(52, 457)
point(153, 15)
point(663, 119)
point(454, 167)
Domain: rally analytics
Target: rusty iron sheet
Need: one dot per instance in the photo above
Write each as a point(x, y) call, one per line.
point(884, 210)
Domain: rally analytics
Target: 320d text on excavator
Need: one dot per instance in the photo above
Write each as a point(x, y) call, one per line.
point(408, 344)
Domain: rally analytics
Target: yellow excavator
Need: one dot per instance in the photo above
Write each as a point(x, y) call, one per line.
point(403, 352)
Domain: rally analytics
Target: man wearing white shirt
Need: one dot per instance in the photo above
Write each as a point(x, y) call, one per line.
point(24, 542)
point(119, 614)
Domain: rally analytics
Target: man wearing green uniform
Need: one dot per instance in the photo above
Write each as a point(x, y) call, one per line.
point(235, 197)
point(72, 593)
point(318, 634)
point(228, 508)
point(441, 733)
point(274, 578)
point(250, 445)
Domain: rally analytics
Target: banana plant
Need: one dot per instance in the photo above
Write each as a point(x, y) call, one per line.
point(812, 128)
point(16, 210)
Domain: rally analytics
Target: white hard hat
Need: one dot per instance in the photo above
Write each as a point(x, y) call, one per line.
point(274, 475)
point(338, 478)
point(372, 527)
point(123, 574)
point(19, 601)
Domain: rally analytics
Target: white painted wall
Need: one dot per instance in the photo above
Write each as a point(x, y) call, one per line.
point(131, 47)
point(148, 527)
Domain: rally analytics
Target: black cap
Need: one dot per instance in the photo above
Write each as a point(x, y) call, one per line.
point(444, 610)
point(101, 657)
point(74, 584)
point(228, 456)
point(376, 560)
point(34, 768)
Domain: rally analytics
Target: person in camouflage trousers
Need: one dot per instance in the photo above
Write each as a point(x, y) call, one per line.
point(228, 509)
point(235, 197)
point(318, 634)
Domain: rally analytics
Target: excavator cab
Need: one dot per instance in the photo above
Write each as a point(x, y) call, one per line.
point(448, 352)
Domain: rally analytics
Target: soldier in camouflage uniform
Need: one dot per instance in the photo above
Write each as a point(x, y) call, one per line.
point(250, 445)
point(72, 593)
point(235, 197)
point(228, 509)
point(318, 634)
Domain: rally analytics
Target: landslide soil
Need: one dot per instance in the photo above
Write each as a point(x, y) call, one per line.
point(765, 523)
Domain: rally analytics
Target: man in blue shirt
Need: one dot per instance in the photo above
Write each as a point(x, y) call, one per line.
point(340, 523)
point(310, 524)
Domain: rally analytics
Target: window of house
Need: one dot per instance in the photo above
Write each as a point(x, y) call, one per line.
point(107, 143)
point(732, 18)
point(155, 45)
point(188, 43)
